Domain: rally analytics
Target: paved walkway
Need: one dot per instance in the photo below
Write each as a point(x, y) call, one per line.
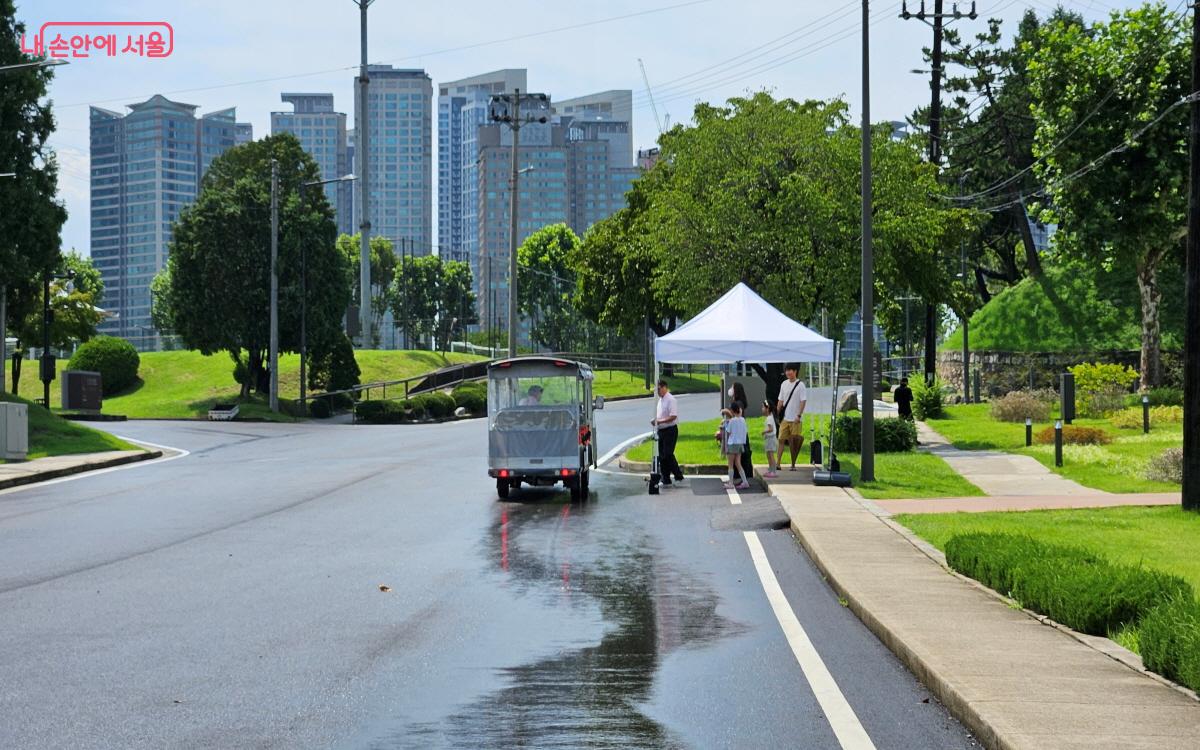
point(999, 473)
point(53, 467)
point(1014, 680)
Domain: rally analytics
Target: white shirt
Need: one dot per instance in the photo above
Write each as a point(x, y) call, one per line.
point(736, 432)
point(667, 408)
point(792, 412)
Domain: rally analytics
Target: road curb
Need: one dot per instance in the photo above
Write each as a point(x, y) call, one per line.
point(66, 471)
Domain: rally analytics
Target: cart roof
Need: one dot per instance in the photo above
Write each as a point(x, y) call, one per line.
point(533, 366)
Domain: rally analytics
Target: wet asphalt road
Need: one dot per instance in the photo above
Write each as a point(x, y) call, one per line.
point(231, 598)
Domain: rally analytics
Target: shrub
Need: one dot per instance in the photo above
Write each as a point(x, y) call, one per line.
point(332, 366)
point(1157, 396)
point(1166, 466)
point(1170, 640)
point(1070, 585)
point(471, 396)
point(438, 405)
point(115, 359)
point(1131, 419)
point(320, 408)
point(1074, 435)
point(1018, 406)
point(891, 435)
point(383, 412)
point(928, 398)
point(1100, 388)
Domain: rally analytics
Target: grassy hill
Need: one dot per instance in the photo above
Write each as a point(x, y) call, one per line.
point(185, 384)
point(1071, 309)
point(51, 435)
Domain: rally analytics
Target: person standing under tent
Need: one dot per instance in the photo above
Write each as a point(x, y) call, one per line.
point(667, 425)
point(793, 396)
point(737, 437)
point(737, 392)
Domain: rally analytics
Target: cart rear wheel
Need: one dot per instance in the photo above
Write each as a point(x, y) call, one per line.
point(502, 487)
point(574, 486)
point(584, 482)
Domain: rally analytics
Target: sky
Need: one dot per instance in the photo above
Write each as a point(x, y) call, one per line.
point(244, 54)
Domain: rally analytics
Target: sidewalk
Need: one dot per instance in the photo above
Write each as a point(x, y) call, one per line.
point(999, 473)
point(53, 467)
point(1015, 681)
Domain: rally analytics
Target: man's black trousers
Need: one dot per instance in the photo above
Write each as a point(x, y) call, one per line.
point(667, 463)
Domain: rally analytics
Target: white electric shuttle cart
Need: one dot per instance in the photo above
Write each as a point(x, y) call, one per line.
point(540, 424)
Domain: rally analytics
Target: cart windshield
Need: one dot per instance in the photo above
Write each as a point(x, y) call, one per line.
point(508, 392)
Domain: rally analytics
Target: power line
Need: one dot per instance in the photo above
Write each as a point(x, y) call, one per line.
point(448, 50)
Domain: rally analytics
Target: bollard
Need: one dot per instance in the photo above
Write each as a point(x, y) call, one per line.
point(975, 377)
point(1146, 415)
point(1058, 443)
point(1028, 432)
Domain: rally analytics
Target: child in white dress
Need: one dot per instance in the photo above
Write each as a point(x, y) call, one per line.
point(770, 440)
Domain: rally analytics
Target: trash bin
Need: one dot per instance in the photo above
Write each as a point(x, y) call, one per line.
point(14, 431)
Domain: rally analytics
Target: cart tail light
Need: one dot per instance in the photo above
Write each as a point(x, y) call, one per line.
point(568, 472)
point(503, 473)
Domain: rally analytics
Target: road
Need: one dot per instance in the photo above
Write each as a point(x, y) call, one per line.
point(294, 586)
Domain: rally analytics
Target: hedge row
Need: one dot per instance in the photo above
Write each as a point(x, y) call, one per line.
point(1070, 585)
point(435, 405)
point(891, 435)
point(1169, 640)
point(471, 396)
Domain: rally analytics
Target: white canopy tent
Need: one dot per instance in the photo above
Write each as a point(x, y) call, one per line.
point(742, 327)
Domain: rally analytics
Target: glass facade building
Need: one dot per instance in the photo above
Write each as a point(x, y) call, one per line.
point(322, 133)
point(146, 167)
point(400, 155)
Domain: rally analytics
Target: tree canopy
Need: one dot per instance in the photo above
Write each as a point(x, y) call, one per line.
point(219, 266)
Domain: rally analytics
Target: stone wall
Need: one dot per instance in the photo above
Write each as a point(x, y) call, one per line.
point(1001, 372)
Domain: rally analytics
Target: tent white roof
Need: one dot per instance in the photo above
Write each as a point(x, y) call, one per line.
point(742, 327)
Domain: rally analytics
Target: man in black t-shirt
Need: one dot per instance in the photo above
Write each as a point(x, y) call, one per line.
point(904, 397)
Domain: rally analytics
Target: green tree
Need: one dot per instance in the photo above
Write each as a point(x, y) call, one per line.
point(1111, 141)
point(30, 218)
point(384, 263)
point(546, 285)
point(219, 267)
point(457, 307)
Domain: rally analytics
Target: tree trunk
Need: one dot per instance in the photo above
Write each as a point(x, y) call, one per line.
point(1033, 263)
point(1151, 297)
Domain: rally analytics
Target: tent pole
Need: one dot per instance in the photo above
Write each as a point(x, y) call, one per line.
point(655, 474)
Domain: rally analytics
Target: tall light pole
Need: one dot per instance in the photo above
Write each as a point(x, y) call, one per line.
point(361, 148)
point(304, 295)
point(506, 109)
point(867, 466)
point(273, 357)
point(1191, 357)
point(966, 323)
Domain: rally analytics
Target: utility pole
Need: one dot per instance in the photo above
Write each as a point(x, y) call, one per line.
point(935, 139)
point(506, 108)
point(361, 148)
point(3, 332)
point(274, 352)
point(867, 466)
point(1191, 361)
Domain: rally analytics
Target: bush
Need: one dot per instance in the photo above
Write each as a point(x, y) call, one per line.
point(332, 366)
point(1018, 406)
point(1157, 396)
point(1131, 419)
point(891, 435)
point(383, 412)
point(928, 398)
point(1074, 435)
point(1169, 640)
point(1100, 388)
point(320, 408)
point(115, 359)
point(1166, 466)
point(471, 396)
point(438, 405)
point(1070, 585)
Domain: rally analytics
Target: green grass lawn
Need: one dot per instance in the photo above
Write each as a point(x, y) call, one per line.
point(1163, 537)
point(50, 435)
point(1118, 467)
point(908, 475)
point(617, 383)
point(186, 384)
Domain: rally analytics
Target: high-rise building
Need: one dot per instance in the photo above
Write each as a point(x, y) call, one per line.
point(400, 155)
point(322, 133)
point(606, 116)
point(576, 170)
point(462, 108)
point(243, 133)
point(146, 167)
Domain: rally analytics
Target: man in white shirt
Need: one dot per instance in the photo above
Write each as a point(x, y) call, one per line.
point(667, 425)
point(792, 398)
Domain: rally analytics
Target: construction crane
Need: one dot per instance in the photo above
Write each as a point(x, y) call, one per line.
point(660, 124)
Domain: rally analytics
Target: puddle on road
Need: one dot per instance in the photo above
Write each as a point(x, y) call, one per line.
point(589, 696)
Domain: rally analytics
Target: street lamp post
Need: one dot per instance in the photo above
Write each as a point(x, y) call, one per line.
point(506, 108)
point(966, 349)
point(47, 359)
point(304, 295)
point(867, 465)
point(274, 351)
point(43, 63)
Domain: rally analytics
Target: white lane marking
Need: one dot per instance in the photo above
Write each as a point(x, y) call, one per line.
point(617, 451)
point(96, 472)
point(842, 719)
